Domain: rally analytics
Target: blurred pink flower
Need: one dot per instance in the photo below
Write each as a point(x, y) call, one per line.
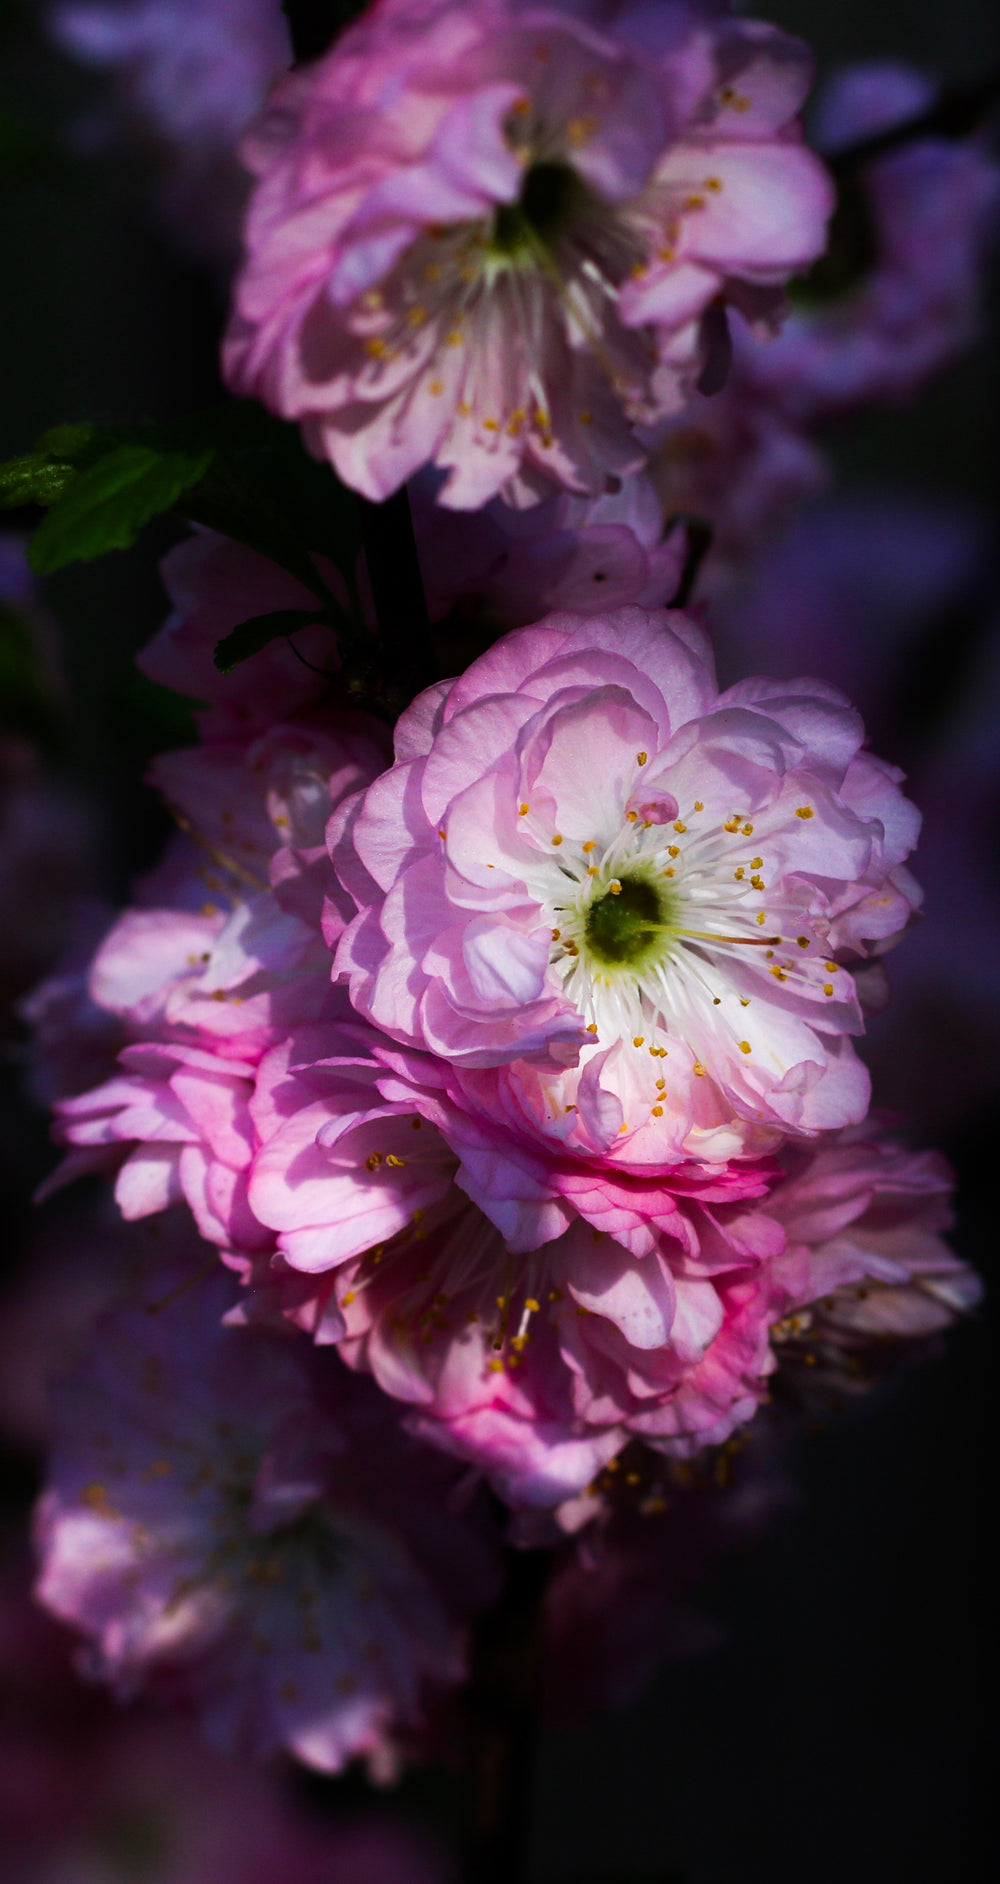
point(503, 568)
point(213, 1524)
point(189, 74)
point(215, 584)
point(495, 237)
point(865, 1265)
point(95, 1796)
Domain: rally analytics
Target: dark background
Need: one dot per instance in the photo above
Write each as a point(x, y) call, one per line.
point(834, 1733)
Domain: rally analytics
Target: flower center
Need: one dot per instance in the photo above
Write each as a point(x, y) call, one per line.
point(552, 197)
point(628, 925)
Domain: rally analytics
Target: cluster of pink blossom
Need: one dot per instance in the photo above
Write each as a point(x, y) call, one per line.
point(507, 1064)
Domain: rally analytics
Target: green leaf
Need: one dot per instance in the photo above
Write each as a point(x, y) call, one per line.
point(257, 632)
point(106, 505)
point(34, 479)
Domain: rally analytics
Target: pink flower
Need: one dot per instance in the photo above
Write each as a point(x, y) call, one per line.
point(931, 204)
point(504, 568)
point(538, 1363)
point(202, 993)
point(610, 897)
point(214, 585)
point(214, 1525)
point(495, 237)
point(535, 1366)
point(865, 1264)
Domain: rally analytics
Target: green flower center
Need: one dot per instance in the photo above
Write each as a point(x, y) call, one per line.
point(627, 926)
point(552, 196)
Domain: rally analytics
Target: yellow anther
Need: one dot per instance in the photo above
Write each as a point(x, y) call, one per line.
point(679, 827)
point(454, 339)
point(761, 918)
point(828, 987)
point(758, 883)
point(744, 1000)
point(375, 347)
point(698, 806)
point(831, 967)
point(491, 425)
point(397, 1163)
point(745, 1046)
point(522, 811)
point(778, 973)
point(556, 933)
point(664, 255)
point(533, 1307)
point(694, 201)
point(590, 845)
point(579, 131)
point(373, 1161)
point(699, 1069)
point(639, 1040)
point(756, 863)
point(803, 811)
point(641, 757)
point(631, 816)
point(436, 387)
point(670, 871)
point(558, 838)
point(712, 183)
point(346, 1300)
point(592, 1027)
point(615, 887)
point(739, 874)
point(657, 1112)
point(803, 941)
point(748, 830)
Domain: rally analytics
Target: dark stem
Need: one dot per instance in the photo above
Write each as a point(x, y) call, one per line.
point(502, 1711)
point(398, 595)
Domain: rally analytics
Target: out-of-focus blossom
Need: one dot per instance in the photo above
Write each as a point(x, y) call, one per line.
point(496, 238)
point(503, 568)
point(851, 589)
point(189, 74)
point(900, 299)
point(215, 584)
point(614, 899)
point(238, 1524)
point(927, 210)
point(97, 1797)
point(865, 1265)
point(75, 1260)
